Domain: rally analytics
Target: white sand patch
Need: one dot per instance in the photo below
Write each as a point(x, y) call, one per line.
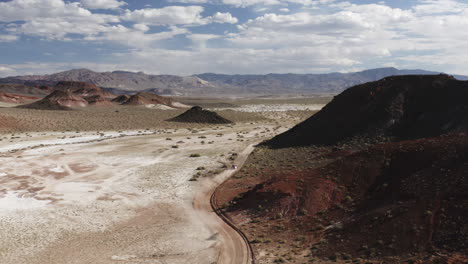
point(55, 138)
point(13, 201)
point(3, 104)
point(124, 257)
point(74, 191)
point(3, 174)
point(159, 106)
point(57, 169)
point(124, 177)
point(180, 105)
point(274, 108)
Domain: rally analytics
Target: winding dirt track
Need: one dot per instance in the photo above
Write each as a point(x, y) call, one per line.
point(234, 245)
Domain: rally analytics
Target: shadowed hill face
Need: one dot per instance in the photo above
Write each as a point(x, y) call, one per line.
point(121, 99)
point(198, 115)
point(397, 107)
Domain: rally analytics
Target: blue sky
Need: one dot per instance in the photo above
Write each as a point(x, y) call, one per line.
point(186, 37)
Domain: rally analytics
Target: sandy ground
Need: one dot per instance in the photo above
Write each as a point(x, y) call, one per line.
point(261, 108)
point(3, 104)
point(111, 197)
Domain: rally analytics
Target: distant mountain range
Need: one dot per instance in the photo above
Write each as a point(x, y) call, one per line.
point(121, 82)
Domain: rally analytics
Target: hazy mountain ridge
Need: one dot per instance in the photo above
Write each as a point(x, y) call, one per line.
point(211, 83)
point(118, 79)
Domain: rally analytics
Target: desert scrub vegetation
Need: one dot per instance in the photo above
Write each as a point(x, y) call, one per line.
point(100, 118)
point(195, 155)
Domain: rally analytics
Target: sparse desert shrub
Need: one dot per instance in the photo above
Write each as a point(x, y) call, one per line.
point(195, 155)
point(279, 260)
point(256, 241)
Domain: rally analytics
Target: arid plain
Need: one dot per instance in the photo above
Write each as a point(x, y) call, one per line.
point(103, 192)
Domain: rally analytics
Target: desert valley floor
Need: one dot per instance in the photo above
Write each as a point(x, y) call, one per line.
point(123, 196)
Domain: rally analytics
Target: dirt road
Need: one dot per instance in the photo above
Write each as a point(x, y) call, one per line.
point(234, 247)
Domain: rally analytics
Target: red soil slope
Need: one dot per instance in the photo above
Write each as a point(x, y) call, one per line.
point(407, 197)
point(396, 199)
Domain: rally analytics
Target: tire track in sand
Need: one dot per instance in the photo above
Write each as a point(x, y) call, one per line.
point(233, 244)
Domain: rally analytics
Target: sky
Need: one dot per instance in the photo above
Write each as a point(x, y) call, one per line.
point(184, 37)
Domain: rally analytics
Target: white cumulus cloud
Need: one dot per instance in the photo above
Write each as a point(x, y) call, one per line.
point(169, 15)
point(32, 9)
point(219, 17)
point(176, 15)
point(102, 4)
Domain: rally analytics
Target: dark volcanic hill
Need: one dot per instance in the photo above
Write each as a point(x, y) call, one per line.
point(197, 115)
point(216, 84)
point(394, 108)
point(58, 100)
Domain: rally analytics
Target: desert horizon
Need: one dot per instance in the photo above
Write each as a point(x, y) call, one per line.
point(233, 132)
